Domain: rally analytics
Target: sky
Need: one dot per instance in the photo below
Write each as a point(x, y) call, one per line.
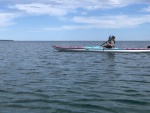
point(74, 20)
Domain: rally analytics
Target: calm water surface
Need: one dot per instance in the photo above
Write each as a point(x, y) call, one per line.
point(34, 78)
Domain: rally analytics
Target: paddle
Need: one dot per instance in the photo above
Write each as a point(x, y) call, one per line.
point(104, 43)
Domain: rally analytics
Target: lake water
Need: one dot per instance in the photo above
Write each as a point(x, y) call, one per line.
point(34, 78)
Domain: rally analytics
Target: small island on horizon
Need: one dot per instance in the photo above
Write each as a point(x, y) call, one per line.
point(6, 40)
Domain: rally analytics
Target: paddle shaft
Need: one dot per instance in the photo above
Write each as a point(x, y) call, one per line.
point(104, 43)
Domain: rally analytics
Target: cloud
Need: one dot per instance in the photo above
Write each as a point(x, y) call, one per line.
point(88, 4)
point(6, 19)
point(61, 28)
point(120, 21)
point(146, 9)
point(63, 7)
point(40, 9)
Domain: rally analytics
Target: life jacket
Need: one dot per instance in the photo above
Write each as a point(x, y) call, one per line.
point(109, 41)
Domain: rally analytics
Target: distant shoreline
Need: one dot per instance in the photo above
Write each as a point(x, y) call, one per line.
point(74, 40)
point(6, 40)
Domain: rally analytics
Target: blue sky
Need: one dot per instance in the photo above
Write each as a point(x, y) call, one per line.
point(90, 20)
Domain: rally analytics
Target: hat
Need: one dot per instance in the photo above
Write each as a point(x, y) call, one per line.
point(111, 37)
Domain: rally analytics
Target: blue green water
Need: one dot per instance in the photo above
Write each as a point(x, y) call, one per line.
point(34, 78)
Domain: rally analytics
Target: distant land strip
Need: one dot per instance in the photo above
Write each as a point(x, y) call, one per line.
point(6, 40)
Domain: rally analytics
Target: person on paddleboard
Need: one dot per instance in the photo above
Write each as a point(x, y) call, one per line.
point(110, 43)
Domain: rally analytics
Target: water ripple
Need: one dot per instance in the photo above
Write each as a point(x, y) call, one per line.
point(34, 78)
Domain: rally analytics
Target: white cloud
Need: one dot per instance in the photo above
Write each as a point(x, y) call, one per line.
point(120, 21)
point(6, 19)
point(146, 9)
point(37, 8)
point(61, 28)
point(63, 7)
